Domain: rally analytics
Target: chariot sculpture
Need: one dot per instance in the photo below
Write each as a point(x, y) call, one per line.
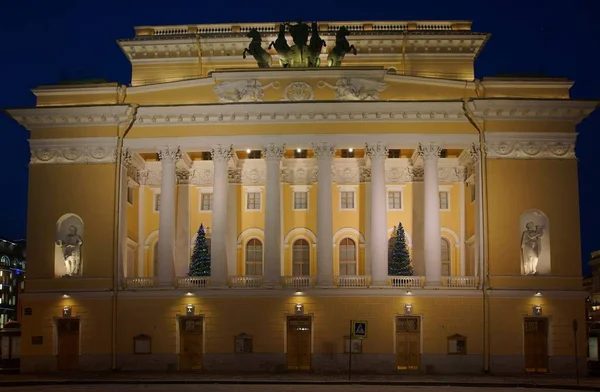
point(303, 53)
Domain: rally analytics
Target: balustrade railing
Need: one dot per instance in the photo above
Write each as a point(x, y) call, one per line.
point(139, 283)
point(297, 282)
point(352, 280)
point(192, 282)
point(462, 282)
point(407, 281)
point(245, 281)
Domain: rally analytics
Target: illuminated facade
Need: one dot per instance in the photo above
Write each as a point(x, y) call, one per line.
point(12, 273)
point(299, 172)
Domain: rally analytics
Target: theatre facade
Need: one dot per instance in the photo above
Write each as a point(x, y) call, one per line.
point(300, 148)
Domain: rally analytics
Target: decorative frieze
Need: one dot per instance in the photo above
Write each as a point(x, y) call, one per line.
point(528, 149)
point(242, 90)
point(75, 154)
point(355, 89)
point(298, 91)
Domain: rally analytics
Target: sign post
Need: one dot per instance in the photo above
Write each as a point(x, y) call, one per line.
point(358, 329)
point(575, 328)
point(350, 350)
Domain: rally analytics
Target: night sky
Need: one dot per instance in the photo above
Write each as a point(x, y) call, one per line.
point(45, 41)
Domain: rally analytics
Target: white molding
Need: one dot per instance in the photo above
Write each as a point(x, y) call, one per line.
point(202, 192)
point(454, 236)
point(337, 237)
point(53, 90)
point(300, 188)
point(198, 82)
point(530, 145)
point(254, 232)
point(131, 244)
point(76, 116)
point(348, 188)
point(531, 109)
point(391, 189)
point(300, 232)
point(205, 189)
point(445, 188)
point(97, 150)
point(448, 199)
point(150, 238)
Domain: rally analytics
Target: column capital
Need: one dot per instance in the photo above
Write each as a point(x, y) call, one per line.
point(475, 152)
point(273, 152)
point(184, 176)
point(222, 153)
point(169, 154)
point(376, 150)
point(323, 151)
point(429, 150)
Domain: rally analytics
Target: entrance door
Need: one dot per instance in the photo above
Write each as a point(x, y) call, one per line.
point(408, 343)
point(536, 345)
point(190, 343)
point(298, 342)
point(67, 330)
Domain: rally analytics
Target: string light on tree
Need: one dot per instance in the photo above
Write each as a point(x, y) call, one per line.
point(399, 258)
point(200, 262)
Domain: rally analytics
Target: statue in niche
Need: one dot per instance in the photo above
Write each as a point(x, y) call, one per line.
point(71, 249)
point(531, 247)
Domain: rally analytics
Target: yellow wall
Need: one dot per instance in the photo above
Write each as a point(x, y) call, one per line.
point(515, 186)
point(84, 190)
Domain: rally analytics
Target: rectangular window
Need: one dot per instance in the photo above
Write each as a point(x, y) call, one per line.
point(253, 201)
point(300, 153)
point(255, 154)
point(206, 202)
point(347, 200)
point(157, 202)
point(206, 156)
point(472, 190)
point(395, 200)
point(300, 200)
point(130, 195)
point(443, 200)
point(347, 153)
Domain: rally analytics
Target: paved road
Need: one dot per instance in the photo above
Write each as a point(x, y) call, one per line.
point(259, 388)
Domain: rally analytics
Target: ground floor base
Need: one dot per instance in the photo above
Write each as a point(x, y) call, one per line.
point(328, 333)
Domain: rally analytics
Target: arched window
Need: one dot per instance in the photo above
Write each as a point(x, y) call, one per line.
point(446, 261)
point(254, 257)
point(155, 253)
point(301, 258)
point(347, 257)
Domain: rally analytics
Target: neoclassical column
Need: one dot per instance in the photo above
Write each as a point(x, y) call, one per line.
point(324, 154)
point(379, 241)
point(141, 262)
point(474, 152)
point(122, 258)
point(430, 153)
point(272, 267)
point(182, 236)
point(166, 227)
point(218, 252)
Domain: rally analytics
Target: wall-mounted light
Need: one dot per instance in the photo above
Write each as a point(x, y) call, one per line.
point(298, 150)
point(65, 295)
point(248, 151)
point(189, 294)
point(538, 294)
point(66, 311)
point(537, 310)
point(190, 310)
point(408, 308)
point(299, 309)
point(350, 149)
point(298, 292)
point(408, 292)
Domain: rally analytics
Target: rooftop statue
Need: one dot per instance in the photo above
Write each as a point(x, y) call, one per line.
point(262, 57)
point(303, 53)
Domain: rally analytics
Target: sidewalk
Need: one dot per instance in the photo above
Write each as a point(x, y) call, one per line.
point(553, 382)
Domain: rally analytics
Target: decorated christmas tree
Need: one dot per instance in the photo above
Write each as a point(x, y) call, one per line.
point(200, 263)
point(399, 258)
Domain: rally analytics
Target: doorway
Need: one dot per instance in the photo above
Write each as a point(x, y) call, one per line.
point(190, 343)
point(536, 345)
point(408, 343)
point(299, 332)
point(67, 338)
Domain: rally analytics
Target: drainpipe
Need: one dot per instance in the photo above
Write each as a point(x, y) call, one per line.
point(484, 240)
point(126, 127)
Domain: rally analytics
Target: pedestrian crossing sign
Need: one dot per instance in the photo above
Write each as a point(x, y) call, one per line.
point(359, 328)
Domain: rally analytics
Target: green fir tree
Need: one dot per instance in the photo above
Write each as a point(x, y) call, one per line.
point(399, 263)
point(200, 262)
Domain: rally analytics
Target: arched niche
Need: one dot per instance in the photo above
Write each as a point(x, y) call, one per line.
point(68, 246)
point(534, 245)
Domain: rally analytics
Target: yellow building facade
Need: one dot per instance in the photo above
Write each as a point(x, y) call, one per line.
point(300, 176)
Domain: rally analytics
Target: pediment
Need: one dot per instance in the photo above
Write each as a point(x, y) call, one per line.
point(295, 85)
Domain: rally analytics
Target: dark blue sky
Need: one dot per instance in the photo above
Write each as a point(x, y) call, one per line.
point(45, 41)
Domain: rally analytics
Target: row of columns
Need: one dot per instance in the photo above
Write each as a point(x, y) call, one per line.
point(273, 232)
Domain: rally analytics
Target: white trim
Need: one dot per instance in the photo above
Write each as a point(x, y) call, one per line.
point(245, 253)
point(392, 189)
point(356, 250)
point(462, 229)
point(447, 192)
point(201, 196)
point(179, 84)
point(155, 206)
point(150, 238)
point(341, 232)
point(253, 231)
point(311, 245)
point(300, 231)
point(300, 189)
point(253, 189)
point(452, 234)
point(348, 188)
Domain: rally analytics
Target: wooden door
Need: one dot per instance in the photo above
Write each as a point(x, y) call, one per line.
point(67, 330)
point(536, 345)
point(298, 342)
point(408, 343)
point(190, 343)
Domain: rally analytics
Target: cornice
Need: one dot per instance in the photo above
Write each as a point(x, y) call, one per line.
point(103, 115)
point(526, 83)
point(74, 151)
point(62, 90)
point(301, 112)
point(530, 145)
point(532, 109)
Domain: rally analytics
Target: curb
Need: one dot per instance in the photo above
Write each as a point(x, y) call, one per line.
point(289, 382)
